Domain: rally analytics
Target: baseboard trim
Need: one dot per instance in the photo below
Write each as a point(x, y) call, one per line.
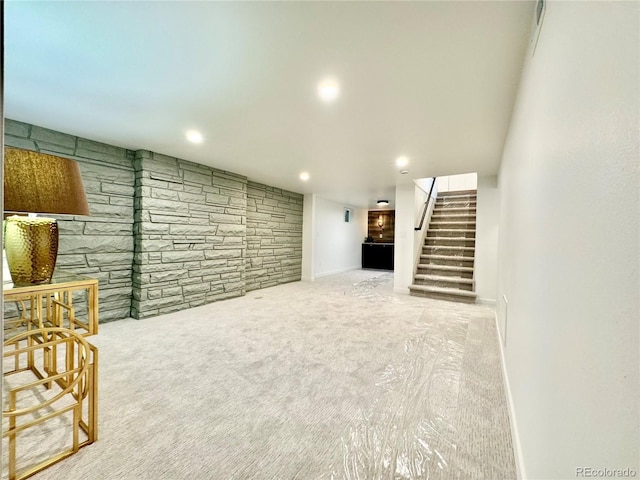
point(335, 272)
point(487, 301)
point(402, 290)
point(308, 279)
point(517, 448)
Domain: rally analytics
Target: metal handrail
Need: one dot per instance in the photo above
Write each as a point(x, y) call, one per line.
point(426, 206)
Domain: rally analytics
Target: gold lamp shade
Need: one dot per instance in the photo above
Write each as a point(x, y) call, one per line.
point(37, 183)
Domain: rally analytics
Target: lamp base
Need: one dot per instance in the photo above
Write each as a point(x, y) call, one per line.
point(31, 244)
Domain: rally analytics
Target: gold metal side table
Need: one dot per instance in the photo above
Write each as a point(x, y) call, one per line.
point(50, 388)
point(52, 304)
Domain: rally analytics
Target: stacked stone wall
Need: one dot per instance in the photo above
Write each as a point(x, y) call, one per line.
point(167, 234)
point(190, 234)
point(100, 245)
point(274, 236)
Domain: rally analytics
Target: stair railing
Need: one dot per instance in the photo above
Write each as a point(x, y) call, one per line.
point(426, 206)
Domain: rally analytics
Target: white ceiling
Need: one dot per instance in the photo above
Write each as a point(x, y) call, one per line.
point(435, 81)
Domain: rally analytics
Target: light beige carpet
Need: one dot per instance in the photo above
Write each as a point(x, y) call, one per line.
point(337, 378)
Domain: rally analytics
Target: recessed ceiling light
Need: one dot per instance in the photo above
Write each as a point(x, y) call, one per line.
point(304, 176)
point(383, 203)
point(402, 161)
point(194, 136)
point(328, 90)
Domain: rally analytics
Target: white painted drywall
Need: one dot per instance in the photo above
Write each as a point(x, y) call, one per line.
point(404, 238)
point(337, 245)
point(308, 221)
point(464, 181)
point(569, 242)
point(486, 253)
point(423, 186)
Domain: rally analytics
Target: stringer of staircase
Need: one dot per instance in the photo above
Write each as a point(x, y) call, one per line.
point(445, 269)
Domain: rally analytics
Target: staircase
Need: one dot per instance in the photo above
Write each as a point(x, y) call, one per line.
point(445, 269)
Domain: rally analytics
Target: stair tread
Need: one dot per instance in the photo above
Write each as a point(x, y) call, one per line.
point(457, 193)
point(451, 213)
point(447, 257)
point(466, 207)
point(448, 238)
point(439, 278)
point(450, 223)
point(455, 209)
point(454, 219)
point(440, 242)
point(445, 267)
point(467, 193)
point(458, 220)
point(447, 291)
point(455, 206)
point(466, 230)
point(445, 247)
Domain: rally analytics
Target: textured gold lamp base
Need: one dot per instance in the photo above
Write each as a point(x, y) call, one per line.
point(31, 244)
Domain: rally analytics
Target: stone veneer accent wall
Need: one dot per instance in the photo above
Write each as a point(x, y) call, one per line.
point(199, 234)
point(100, 245)
point(274, 236)
point(190, 229)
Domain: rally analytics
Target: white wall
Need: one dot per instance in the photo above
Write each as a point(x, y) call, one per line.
point(404, 238)
point(486, 254)
point(421, 194)
point(425, 184)
point(569, 242)
point(336, 246)
point(409, 204)
point(308, 224)
point(464, 181)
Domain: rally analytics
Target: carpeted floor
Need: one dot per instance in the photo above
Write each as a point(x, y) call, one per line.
point(337, 378)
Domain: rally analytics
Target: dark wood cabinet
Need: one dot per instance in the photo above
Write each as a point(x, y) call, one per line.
point(377, 255)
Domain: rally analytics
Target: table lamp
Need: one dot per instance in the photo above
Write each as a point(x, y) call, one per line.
point(37, 183)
